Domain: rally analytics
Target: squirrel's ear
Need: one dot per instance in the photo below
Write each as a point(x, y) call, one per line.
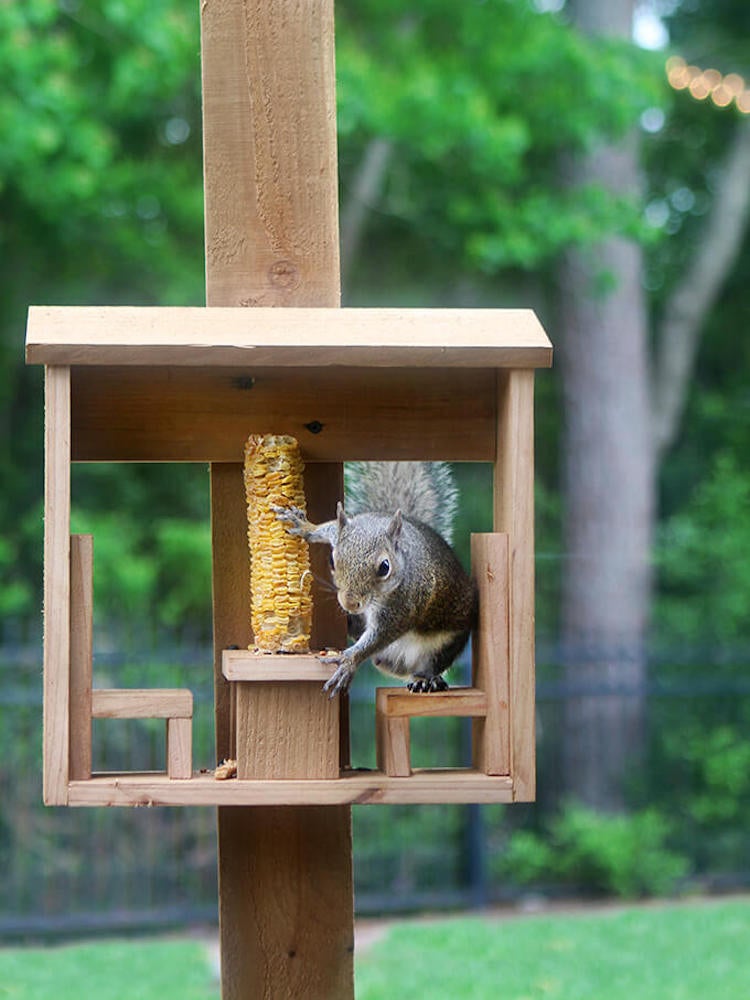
point(394, 528)
point(341, 516)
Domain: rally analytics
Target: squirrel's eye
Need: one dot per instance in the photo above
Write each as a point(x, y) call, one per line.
point(383, 569)
point(330, 560)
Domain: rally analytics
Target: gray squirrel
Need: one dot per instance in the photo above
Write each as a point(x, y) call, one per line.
point(410, 603)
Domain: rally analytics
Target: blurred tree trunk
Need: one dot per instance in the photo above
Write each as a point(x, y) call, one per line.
point(609, 475)
point(620, 418)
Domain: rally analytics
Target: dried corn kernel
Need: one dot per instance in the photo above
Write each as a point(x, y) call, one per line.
point(280, 578)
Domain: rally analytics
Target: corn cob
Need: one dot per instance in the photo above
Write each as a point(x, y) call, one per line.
point(280, 577)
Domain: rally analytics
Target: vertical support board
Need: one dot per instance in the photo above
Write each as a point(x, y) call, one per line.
point(514, 514)
point(56, 585)
point(269, 120)
point(81, 653)
point(491, 652)
point(270, 166)
point(180, 748)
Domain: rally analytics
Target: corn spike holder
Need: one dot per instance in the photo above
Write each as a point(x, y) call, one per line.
point(280, 577)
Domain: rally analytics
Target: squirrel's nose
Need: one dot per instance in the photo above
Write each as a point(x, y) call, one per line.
point(349, 603)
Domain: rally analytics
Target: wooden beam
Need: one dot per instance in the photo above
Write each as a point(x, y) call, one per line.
point(397, 702)
point(141, 703)
point(424, 787)
point(491, 652)
point(189, 414)
point(304, 338)
point(514, 514)
point(245, 665)
point(81, 653)
point(269, 120)
point(56, 586)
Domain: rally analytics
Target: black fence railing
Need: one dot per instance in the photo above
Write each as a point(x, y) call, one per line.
point(71, 871)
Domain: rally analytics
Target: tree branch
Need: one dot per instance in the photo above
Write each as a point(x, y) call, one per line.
point(678, 334)
point(363, 195)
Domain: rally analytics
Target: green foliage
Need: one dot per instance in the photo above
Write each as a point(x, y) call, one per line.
point(621, 855)
point(481, 101)
point(702, 559)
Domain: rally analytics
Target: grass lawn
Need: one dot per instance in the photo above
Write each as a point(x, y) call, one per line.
point(690, 951)
point(682, 951)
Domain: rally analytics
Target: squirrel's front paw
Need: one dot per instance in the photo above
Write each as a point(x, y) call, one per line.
point(341, 678)
point(294, 520)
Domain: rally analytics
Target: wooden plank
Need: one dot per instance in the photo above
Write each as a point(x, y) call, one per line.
point(400, 338)
point(270, 169)
point(514, 514)
point(179, 748)
point(231, 590)
point(56, 586)
point(141, 703)
point(286, 730)
point(269, 118)
point(392, 738)
point(491, 652)
point(396, 702)
point(81, 653)
point(352, 788)
point(245, 665)
point(189, 414)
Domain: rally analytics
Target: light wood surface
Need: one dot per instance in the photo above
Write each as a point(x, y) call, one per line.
point(245, 665)
point(192, 414)
point(352, 788)
point(393, 744)
point(141, 703)
point(81, 653)
point(286, 730)
point(397, 702)
point(179, 748)
point(56, 585)
point(307, 338)
point(514, 514)
point(285, 875)
point(491, 653)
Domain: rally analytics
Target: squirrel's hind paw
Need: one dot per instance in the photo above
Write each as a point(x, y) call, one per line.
point(426, 685)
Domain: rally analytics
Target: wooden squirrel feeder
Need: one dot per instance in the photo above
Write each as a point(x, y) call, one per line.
point(174, 384)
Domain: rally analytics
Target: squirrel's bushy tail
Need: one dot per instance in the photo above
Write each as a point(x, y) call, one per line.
point(423, 490)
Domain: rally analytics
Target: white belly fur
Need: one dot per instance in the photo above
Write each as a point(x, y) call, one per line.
point(410, 652)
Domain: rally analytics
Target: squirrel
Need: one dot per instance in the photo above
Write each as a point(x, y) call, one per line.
point(411, 606)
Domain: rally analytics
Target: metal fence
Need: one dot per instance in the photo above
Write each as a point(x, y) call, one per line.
point(69, 871)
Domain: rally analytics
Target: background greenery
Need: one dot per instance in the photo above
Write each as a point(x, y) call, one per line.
point(101, 202)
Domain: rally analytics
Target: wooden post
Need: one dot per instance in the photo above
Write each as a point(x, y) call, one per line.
point(269, 117)
point(56, 585)
point(514, 514)
point(81, 653)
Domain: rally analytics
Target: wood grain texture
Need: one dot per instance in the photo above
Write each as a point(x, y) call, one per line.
point(245, 665)
point(393, 745)
point(56, 585)
point(270, 179)
point(141, 703)
point(514, 514)
point(286, 730)
point(424, 787)
point(491, 653)
point(189, 414)
point(285, 876)
point(396, 702)
point(81, 653)
point(231, 590)
point(179, 748)
point(302, 338)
